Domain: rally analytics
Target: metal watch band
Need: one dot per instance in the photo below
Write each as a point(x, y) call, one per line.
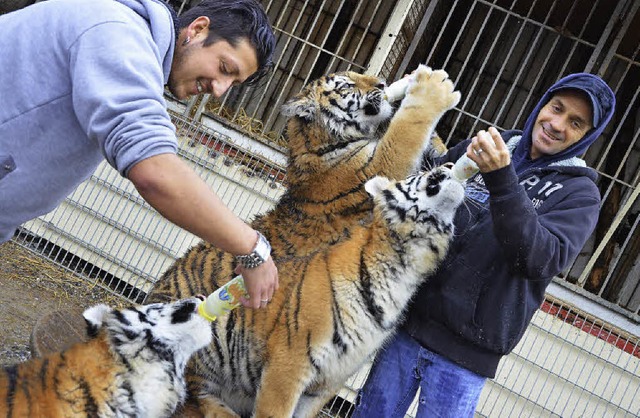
point(259, 255)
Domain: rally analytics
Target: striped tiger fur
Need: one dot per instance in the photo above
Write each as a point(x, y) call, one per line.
point(131, 366)
point(326, 317)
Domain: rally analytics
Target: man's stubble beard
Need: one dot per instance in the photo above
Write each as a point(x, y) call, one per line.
point(176, 63)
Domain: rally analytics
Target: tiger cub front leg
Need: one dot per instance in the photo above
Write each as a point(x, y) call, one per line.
point(281, 386)
point(430, 94)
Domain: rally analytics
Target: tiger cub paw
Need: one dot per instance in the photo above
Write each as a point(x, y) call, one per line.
point(431, 89)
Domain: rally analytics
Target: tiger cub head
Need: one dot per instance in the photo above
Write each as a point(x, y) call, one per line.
point(419, 203)
point(348, 104)
point(156, 332)
point(335, 115)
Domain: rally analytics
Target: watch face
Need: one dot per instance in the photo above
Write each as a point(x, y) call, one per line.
point(259, 254)
point(263, 248)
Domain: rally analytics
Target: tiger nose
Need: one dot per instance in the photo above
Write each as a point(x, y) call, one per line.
point(448, 165)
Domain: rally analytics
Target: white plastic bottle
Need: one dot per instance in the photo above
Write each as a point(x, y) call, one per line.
point(464, 168)
point(397, 90)
point(223, 299)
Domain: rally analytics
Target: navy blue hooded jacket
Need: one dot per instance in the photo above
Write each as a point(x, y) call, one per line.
point(521, 226)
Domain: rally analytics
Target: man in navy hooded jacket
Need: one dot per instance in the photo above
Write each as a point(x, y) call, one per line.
point(530, 210)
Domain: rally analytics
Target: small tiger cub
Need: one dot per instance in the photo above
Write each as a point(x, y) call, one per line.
point(131, 366)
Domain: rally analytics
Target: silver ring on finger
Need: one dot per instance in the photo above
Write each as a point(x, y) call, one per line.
point(478, 151)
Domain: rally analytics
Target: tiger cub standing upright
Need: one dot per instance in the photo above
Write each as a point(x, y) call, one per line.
point(339, 266)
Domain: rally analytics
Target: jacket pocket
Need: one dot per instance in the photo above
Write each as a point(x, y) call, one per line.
point(7, 165)
point(458, 295)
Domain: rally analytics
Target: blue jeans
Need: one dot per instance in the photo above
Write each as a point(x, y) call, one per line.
point(446, 389)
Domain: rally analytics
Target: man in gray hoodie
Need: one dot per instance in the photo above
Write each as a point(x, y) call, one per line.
point(82, 81)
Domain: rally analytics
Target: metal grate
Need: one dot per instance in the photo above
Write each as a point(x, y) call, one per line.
point(568, 364)
point(517, 50)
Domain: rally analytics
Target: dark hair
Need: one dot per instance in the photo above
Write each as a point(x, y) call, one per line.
point(233, 21)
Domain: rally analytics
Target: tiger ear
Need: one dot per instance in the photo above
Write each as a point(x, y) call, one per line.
point(300, 106)
point(376, 185)
point(94, 317)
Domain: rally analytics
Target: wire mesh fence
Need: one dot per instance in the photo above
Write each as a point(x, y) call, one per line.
point(569, 364)
point(104, 230)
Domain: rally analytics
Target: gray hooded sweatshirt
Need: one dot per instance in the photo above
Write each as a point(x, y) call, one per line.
point(80, 81)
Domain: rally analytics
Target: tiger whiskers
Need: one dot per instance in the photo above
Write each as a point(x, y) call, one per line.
point(469, 202)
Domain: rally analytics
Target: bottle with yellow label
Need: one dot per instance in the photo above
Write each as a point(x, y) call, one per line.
point(223, 300)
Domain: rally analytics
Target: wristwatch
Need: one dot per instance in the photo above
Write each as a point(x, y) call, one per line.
point(259, 255)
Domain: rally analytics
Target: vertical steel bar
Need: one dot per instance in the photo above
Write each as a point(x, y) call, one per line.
point(364, 31)
point(415, 40)
point(460, 33)
point(280, 96)
point(628, 204)
point(389, 35)
point(604, 38)
point(202, 106)
point(580, 35)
